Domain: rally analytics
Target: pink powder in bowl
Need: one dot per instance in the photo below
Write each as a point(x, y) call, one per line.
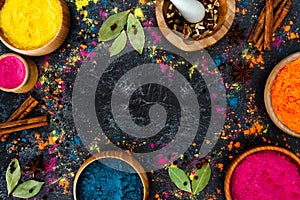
point(12, 72)
point(266, 175)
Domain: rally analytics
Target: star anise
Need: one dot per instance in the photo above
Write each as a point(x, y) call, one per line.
point(241, 72)
point(35, 165)
point(236, 34)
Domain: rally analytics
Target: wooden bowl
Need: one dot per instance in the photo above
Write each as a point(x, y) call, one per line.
point(50, 46)
point(268, 91)
point(120, 156)
point(237, 161)
point(226, 17)
point(30, 78)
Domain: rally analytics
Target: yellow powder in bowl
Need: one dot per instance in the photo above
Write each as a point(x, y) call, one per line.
point(30, 24)
point(285, 95)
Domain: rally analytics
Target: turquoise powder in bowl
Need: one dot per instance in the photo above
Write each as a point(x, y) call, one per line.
point(111, 175)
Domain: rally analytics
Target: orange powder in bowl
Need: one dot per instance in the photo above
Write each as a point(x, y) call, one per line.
point(285, 95)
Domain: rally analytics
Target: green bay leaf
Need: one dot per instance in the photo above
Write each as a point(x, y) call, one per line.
point(201, 179)
point(180, 179)
point(119, 44)
point(135, 33)
point(13, 175)
point(28, 189)
point(113, 26)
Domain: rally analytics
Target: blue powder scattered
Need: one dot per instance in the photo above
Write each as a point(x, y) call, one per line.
point(233, 102)
point(219, 58)
point(99, 181)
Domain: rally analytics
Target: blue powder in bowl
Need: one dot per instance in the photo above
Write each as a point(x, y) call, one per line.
point(111, 179)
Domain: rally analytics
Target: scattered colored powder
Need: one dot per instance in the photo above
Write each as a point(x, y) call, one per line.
point(266, 175)
point(27, 26)
point(100, 181)
point(83, 3)
point(285, 95)
point(12, 72)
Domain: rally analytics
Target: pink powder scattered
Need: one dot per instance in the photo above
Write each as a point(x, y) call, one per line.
point(266, 175)
point(12, 72)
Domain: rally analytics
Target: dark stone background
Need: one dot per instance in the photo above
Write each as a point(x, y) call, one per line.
point(59, 146)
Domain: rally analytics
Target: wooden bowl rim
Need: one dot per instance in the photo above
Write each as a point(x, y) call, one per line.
point(26, 68)
point(268, 91)
point(242, 156)
point(117, 155)
point(46, 47)
point(194, 45)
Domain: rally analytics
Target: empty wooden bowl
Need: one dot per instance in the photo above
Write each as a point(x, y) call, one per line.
point(226, 17)
point(48, 47)
point(130, 160)
point(237, 161)
point(268, 94)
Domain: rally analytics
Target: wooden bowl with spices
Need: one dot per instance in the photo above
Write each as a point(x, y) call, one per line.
point(218, 18)
point(33, 30)
point(282, 95)
point(111, 175)
point(265, 172)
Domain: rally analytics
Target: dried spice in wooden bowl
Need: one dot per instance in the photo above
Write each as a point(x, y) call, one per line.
point(197, 31)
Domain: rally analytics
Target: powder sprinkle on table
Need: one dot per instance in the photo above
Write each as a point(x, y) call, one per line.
point(286, 95)
point(12, 72)
point(30, 24)
point(266, 175)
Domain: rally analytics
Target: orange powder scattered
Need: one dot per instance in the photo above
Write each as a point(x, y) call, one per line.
point(285, 95)
point(65, 184)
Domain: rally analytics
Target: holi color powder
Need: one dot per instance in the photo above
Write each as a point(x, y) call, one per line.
point(267, 175)
point(27, 26)
point(100, 181)
point(285, 95)
point(12, 72)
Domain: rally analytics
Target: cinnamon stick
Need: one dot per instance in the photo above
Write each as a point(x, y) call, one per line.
point(268, 25)
point(281, 8)
point(260, 43)
point(279, 16)
point(22, 128)
point(282, 14)
point(10, 127)
point(26, 107)
point(259, 25)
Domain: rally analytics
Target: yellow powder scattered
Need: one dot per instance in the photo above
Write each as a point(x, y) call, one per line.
point(82, 3)
point(285, 95)
point(30, 24)
point(139, 14)
point(52, 140)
